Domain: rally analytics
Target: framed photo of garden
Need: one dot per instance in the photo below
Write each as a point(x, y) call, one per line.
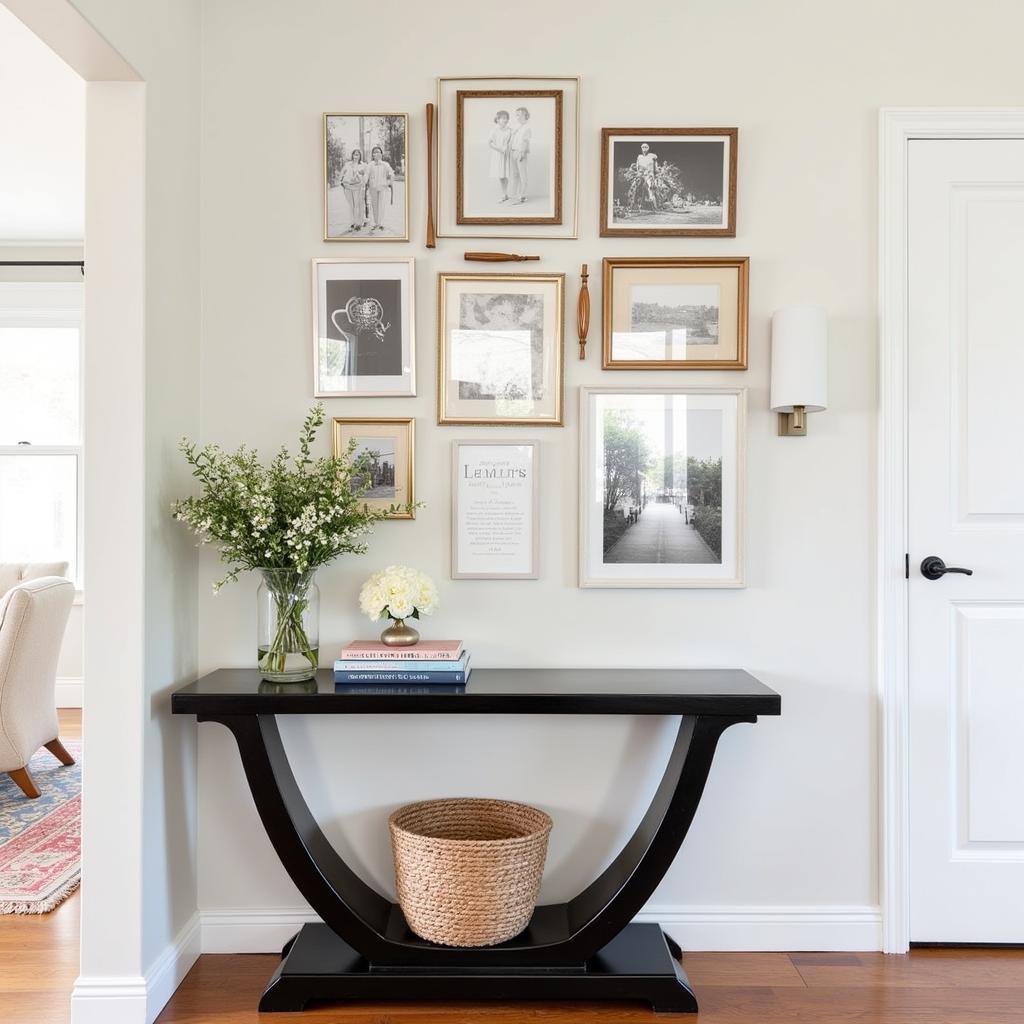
point(661, 487)
point(675, 313)
point(668, 181)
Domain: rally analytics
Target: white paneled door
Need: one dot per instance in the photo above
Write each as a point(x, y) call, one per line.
point(966, 508)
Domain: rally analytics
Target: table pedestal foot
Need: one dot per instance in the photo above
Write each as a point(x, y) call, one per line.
point(636, 965)
point(673, 947)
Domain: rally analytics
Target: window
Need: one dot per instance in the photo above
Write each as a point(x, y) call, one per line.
point(41, 424)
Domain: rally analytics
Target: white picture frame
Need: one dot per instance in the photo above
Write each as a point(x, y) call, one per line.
point(364, 327)
point(643, 523)
point(495, 510)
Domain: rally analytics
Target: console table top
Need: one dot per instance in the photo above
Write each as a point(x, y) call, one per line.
point(606, 691)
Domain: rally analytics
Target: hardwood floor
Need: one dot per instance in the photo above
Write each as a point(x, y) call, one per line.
point(39, 963)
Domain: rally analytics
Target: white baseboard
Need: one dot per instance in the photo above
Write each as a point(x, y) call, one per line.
point(715, 928)
point(137, 1000)
point(69, 691)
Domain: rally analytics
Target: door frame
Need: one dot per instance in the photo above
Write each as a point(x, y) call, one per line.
point(898, 127)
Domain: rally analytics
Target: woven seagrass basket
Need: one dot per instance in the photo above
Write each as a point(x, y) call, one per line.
point(468, 871)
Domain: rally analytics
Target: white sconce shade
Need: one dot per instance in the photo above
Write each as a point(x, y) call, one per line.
point(799, 365)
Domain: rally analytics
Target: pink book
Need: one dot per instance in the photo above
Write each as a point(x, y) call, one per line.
point(425, 650)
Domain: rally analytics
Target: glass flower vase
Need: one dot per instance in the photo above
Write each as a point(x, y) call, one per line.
point(288, 614)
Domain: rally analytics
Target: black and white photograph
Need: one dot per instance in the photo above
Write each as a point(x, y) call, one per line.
point(509, 156)
point(668, 181)
point(365, 177)
point(675, 313)
point(661, 508)
point(500, 348)
point(382, 451)
point(363, 327)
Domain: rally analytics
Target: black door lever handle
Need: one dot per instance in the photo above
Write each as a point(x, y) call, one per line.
point(934, 568)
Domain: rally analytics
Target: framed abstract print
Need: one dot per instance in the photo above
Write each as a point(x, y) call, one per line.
point(495, 510)
point(508, 157)
point(675, 313)
point(668, 181)
point(661, 487)
point(366, 178)
point(363, 328)
point(385, 450)
point(500, 358)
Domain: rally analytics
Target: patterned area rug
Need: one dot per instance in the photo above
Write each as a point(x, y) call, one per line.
point(40, 845)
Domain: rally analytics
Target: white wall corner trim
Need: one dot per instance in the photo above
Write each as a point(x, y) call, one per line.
point(711, 928)
point(132, 1000)
point(898, 126)
point(69, 691)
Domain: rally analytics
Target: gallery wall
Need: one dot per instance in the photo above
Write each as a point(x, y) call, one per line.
point(783, 850)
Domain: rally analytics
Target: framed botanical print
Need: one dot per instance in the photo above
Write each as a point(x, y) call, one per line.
point(366, 177)
point(668, 181)
point(508, 157)
point(675, 313)
point(363, 328)
point(495, 510)
point(384, 450)
point(500, 358)
point(661, 487)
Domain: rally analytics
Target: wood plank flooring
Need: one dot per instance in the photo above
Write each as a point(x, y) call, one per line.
point(39, 963)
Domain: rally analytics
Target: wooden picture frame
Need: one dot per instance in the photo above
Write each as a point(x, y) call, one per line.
point(651, 518)
point(633, 337)
point(513, 99)
point(488, 491)
point(397, 437)
point(688, 190)
point(501, 349)
point(389, 130)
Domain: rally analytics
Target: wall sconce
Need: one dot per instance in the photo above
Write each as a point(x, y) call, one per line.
point(799, 366)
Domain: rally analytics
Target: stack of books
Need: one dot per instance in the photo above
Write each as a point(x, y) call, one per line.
point(431, 666)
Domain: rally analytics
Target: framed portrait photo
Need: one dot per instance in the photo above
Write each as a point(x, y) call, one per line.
point(668, 181)
point(675, 313)
point(500, 358)
point(495, 510)
point(661, 487)
point(508, 157)
point(363, 328)
point(385, 449)
point(366, 178)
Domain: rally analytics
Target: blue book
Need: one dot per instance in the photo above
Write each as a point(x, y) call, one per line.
point(402, 677)
point(401, 665)
point(354, 689)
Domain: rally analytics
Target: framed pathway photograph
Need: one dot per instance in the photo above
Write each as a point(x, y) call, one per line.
point(495, 510)
point(661, 487)
point(508, 157)
point(366, 178)
point(363, 328)
point(668, 181)
point(385, 449)
point(500, 358)
point(675, 313)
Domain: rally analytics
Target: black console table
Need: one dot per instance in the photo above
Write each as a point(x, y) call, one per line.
point(584, 949)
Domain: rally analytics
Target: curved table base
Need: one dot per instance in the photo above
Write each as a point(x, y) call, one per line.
point(636, 965)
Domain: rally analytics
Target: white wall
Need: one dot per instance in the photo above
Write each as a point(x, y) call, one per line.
point(786, 835)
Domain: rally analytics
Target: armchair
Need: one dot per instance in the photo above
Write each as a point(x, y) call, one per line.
point(33, 615)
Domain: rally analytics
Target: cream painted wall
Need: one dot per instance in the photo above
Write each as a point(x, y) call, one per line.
point(789, 816)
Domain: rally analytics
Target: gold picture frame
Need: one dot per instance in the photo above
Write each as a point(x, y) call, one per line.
point(336, 206)
point(673, 214)
point(398, 477)
point(521, 317)
point(631, 337)
point(513, 95)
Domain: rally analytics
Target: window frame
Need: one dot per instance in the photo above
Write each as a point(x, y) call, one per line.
point(52, 304)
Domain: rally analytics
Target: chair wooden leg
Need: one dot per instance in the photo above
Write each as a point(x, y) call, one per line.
point(24, 782)
point(56, 748)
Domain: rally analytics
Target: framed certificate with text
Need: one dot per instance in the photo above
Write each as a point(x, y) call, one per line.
point(495, 505)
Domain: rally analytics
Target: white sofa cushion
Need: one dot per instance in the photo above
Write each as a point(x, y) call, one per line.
point(13, 573)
